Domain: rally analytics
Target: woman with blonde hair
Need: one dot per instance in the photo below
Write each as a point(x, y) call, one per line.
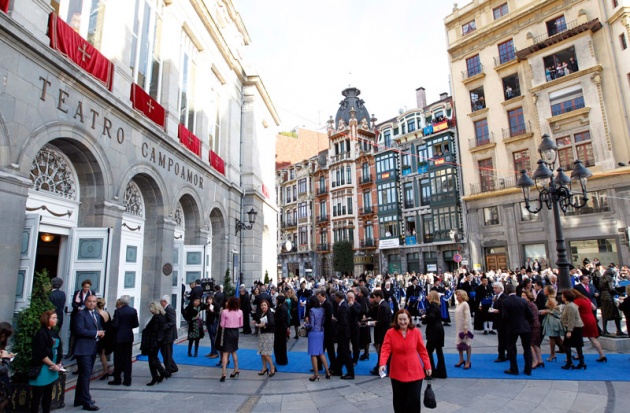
point(463, 328)
point(105, 346)
point(152, 338)
point(435, 334)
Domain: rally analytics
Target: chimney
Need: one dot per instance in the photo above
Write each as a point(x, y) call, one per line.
point(443, 95)
point(421, 97)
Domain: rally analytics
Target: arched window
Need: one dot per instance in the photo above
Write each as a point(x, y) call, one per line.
point(52, 172)
point(133, 201)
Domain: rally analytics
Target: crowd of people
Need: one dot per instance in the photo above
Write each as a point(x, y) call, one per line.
point(343, 318)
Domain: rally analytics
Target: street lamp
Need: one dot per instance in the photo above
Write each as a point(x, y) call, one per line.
point(252, 219)
point(456, 238)
point(555, 192)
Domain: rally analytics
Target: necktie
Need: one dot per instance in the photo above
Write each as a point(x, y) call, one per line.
point(588, 289)
point(95, 319)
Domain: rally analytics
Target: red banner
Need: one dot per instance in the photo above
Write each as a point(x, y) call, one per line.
point(69, 43)
point(4, 5)
point(216, 162)
point(265, 191)
point(189, 140)
point(145, 104)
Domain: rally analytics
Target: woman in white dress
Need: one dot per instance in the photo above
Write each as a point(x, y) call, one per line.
point(463, 327)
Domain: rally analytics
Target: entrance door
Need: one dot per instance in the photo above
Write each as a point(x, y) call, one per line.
point(89, 259)
point(496, 261)
point(28, 253)
point(130, 266)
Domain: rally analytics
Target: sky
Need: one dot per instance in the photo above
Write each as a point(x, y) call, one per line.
point(308, 51)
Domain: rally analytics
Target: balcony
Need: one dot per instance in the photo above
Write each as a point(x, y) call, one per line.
point(367, 179)
point(323, 247)
point(409, 204)
point(340, 157)
point(323, 218)
point(322, 190)
point(559, 34)
point(506, 57)
point(472, 71)
point(491, 184)
point(366, 211)
point(517, 131)
point(481, 140)
point(368, 243)
point(288, 224)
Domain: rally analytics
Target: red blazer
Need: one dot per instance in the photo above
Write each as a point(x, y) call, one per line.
point(405, 365)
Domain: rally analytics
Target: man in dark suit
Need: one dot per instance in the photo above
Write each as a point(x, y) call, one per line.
point(246, 308)
point(87, 329)
point(342, 332)
point(517, 315)
point(381, 325)
point(58, 298)
point(498, 321)
point(170, 335)
point(329, 330)
point(78, 304)
point(196, 292)
point(124, 321)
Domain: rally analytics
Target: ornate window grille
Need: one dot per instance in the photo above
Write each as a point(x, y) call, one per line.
point(179, 216)
point(133, 201)
point(51, 172)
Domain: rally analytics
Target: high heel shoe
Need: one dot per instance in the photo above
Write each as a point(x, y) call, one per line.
point(535, 366)
point(104, 376)
point(315, 377)
point(222, 378)
point(603, 359)
point(582, 365)
point(551, 358)
point(234, 374)
point(568, 366)
point(153, 382)
point(159, 379)
point(468, 368)
point(461, 363)
point(271, 374)
point(262, 373)
point(327, 375)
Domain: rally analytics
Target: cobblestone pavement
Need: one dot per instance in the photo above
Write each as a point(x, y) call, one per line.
point(198, 389)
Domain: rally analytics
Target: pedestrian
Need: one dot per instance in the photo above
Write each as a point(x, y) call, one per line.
point(231, 322)
point(246, 308)
point(409, 362)
point(153, 340)
point(535, 327)
point(498, 321)
point(212, 321)
point(435, 335)
point(314, 322)
point(58, 298)
point(342, 334)
point(78, 304)
point(463, 329)
point(86, 326)
point(573, 336)
point(517, 315)
point(105, 347)
point(170, 335)
point(266, 324)
point(329, 333)
point(46, 356)
point(281, 331)
point(192, 315)
point(381, 324)
point(6, 331)
point(607, 292)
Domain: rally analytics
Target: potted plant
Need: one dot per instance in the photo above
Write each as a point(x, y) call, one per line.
point(27, 325)
point(228, 288)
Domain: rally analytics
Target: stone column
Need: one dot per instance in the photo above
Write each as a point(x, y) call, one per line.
point(109, 215)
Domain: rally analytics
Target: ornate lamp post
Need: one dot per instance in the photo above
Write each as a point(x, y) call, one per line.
point(555, 192)
point(241, 226)
point(252, 220)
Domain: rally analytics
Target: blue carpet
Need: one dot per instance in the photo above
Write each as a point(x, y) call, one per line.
point(483, 366)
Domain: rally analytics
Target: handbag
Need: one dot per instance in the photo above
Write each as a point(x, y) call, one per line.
point(429, 398)
point(33, 372)
point(303, 332)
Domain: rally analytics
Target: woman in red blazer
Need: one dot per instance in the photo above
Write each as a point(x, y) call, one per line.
point(404, 344)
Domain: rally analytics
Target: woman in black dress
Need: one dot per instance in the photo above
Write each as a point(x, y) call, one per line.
point(434, 334)
point(281, 331)
point(152, 338)
point(192, 314)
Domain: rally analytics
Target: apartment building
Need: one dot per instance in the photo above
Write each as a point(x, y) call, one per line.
point(524, 68)
point(418, 188)
point(132, 140)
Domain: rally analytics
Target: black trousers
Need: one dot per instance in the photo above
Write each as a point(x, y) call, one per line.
point(85, 365)
point(122, 362)
point(247, 327)
point(526, 342)
point(356, 349)
point(502, 337)
point(329, 346)
point(343, 354)
point(406, 396)
point(42, 395)
point(167, 357)
point(155, 367)
point(439, 371)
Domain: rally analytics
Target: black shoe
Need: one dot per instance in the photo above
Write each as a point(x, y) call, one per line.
point(127, 383)
point(485, 332)
point(364, 357)
point(347, 377)
point(153, 382)
point(500, 360)
point(115, 383)
point(512, 372)
point(104, 376)
point(447, 324)
point(374, 372)
point(568, 366)
point(492, 332)
point(91, 407)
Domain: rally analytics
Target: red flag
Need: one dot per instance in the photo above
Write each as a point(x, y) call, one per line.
point(216, 162)
point(4, 5)
point(145, 104)
point(68, 42)
point(265, 191)
point(189, 140)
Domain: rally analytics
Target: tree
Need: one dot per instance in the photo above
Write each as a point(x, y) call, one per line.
point(343, 257)
point(228, 288)
point(28, 322)
point(266, 280)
